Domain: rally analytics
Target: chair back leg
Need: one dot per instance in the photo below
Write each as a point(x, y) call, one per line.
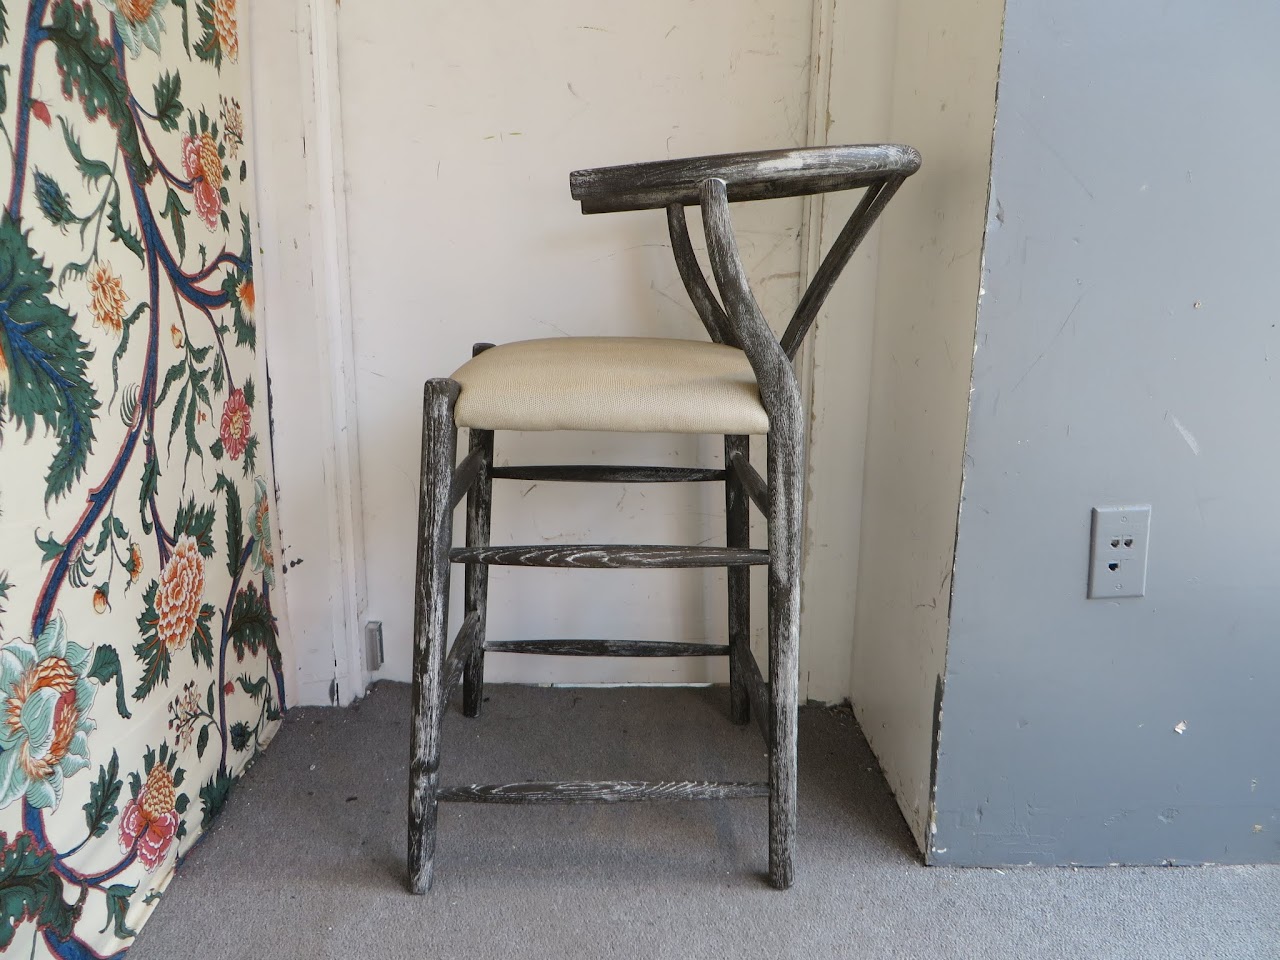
point(430, 623)
point(479, 510)
point(737, 510)
point(786, 469)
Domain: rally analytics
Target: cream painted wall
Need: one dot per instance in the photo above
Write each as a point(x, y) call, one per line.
point(462, 123)
point(855, 38)
point(298, 278)
point(947, 55)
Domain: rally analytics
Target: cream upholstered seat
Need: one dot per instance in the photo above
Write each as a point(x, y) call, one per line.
point(631, 384)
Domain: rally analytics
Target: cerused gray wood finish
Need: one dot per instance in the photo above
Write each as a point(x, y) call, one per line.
point(610, 648)
point(465, 476)
point(430, 621)
point(748, 477)
point(735, 319)
point(737, 516)
point(595, 555)
point(479, 510)
point(757, 693)
point(757, 175)
point(591, 473)
point(780, 396)
point(465, 645)
point(695, 281)
point(603, 791)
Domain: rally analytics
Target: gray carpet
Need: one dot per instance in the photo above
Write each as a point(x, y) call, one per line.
point(308, 858)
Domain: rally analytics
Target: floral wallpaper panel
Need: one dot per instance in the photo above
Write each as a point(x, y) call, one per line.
point(140, 662)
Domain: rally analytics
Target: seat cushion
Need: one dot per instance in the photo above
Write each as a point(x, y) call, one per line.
point(632, 384)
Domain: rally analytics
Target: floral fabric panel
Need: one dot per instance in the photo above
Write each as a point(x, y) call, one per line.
point(140, 663)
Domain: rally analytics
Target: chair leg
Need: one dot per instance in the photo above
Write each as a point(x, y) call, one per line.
point(785, 504)
point(737, 512)
point(430, 623)
point(479, 510)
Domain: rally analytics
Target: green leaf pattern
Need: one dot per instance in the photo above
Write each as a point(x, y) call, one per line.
point(141, 665)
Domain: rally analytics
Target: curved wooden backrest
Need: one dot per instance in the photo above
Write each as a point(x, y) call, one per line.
point(714, 182)
point(760, 175)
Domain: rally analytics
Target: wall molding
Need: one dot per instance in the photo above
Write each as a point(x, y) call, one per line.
point(329, 215)
point(303, 279)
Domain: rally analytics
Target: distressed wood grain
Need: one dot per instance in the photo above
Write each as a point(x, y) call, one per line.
point(695, 281)
point(609, 648)
point(464, 645)
point(757, 691)
point(430, 621)
point(593, 473)
point(750, 479)
point(603, 791)
point(464, 476)
point(604, 556)
point(737, 515)
point(780, 395)
point(476, 576)
point(758, 175)
point(855, 229)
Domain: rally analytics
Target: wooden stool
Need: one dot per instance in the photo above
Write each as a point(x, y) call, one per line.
point(740, 384)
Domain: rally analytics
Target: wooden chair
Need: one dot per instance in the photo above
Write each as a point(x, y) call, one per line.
point(739, 384)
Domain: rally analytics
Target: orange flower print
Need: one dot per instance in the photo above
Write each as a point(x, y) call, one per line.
point(179, 593)
point(175, 334)
point(235, 425)
point(224, 25)
point(134, 563)
point(246, 296)
point(203, 166)
point(135, 11)
point(45, 700)
point(57, 677)
point(108, 299)
point(100, 602)
point(150, 820)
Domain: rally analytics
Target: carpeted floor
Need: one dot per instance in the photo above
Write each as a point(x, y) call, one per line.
point(307, 861)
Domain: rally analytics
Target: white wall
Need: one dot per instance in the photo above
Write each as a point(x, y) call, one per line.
point(298, 277)
point(947, 55)
point(461, 126)
point(850, 104)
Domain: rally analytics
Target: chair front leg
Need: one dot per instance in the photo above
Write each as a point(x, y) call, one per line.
point(785, 505)
point(430, 623)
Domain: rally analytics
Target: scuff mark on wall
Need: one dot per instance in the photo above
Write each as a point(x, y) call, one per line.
point(933, 770)
point(1186, 435)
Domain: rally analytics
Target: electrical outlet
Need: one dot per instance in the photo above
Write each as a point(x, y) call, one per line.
point(373, 644)
point(1118, 552)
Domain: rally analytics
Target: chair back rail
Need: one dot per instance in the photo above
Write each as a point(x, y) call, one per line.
point(695, 281)
point(851, 235)
point(758, 175)
point(713, 183)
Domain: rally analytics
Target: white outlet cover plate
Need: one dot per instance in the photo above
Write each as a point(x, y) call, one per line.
point(1118, 547)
